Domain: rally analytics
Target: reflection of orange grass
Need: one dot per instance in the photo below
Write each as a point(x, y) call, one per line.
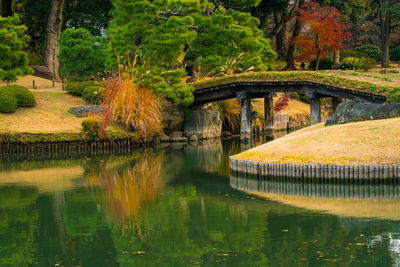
point(126, 192)
point(349, 207)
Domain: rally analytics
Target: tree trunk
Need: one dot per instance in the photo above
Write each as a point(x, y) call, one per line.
point(53, 33)
point(292, 46)
point(318, 59)
point(385, 21)
point(6, 7)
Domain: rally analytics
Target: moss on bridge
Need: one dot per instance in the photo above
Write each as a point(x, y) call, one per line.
point(391, 92)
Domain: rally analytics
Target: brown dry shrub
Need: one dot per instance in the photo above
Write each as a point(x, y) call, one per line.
point(128, 102)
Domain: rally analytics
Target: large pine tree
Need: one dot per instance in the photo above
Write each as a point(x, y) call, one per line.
point(196, 34)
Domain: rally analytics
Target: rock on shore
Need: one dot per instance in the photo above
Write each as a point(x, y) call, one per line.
point(350, 111)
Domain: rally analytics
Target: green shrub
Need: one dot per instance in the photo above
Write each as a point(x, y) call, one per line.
point(372, 51)
point(91, 126)
point(353, 63)
point(77, 88)
point(25, 98)
point(393, 96)
point(14, 96)
point(8, 101)
point(93, 94)
point(395, 54)
point(351, 53)
point(324, 64)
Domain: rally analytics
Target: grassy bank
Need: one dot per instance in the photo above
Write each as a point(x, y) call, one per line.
point(360, 143)
point(50, 115)
point(49, 121)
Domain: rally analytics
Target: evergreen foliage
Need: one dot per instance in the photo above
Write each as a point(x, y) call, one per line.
point(372, 51)
point(81, 55)
point(194, 34)
point(14, 60)
point(395, 54)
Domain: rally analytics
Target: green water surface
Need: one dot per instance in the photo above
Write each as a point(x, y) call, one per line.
point(179, 206)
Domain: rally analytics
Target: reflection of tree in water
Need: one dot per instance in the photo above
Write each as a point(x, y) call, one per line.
point(17, 220)
point(128, 189)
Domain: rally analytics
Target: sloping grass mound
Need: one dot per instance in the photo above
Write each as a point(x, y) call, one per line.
point(360, 143)
point(14, 96)
point(392, 92)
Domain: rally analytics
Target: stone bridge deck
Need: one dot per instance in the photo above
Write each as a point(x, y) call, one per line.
point(246, 89)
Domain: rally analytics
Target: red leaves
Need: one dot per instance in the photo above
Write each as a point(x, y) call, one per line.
point(325, 30)
point(282, 102)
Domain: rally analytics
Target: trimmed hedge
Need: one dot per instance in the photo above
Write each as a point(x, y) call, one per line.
point(24, 97)
point(8, 101)
point(324, 64)
point(89, 90)
point(373, 51)
point(93, 94)
point(351, 53)
point(14, 96)
point(395, 54)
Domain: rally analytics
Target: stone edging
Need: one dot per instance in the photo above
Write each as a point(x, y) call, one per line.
point(314, 170)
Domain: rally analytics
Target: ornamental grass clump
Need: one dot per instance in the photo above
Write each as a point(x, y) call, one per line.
point(127, 101)
point(230, 112)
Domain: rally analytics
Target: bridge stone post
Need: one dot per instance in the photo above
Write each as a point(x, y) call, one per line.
point(315, 110)
point(245, 115)
point(315, 106)
point(335, 103)
point(269, 111)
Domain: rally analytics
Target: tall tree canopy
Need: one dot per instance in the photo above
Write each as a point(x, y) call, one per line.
point(197, 33)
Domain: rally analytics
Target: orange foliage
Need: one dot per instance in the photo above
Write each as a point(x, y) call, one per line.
point(324, 30)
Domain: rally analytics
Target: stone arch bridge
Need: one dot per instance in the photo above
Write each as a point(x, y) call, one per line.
point(246, 90)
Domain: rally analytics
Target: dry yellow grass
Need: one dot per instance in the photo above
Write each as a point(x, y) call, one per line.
point(50, 114)
point(294, 107)
point(360, 143)
point(40, 82)
point(348, 207)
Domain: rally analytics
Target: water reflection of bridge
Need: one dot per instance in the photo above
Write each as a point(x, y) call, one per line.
point(320, 189)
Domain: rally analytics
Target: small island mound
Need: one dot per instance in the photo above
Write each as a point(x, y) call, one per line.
point(361, 143)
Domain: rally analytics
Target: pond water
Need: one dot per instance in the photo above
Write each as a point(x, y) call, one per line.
point(179, 206)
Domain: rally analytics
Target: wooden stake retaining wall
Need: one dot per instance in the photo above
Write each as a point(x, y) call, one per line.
point(73, 147)
point(315, 171)
point(326, 188)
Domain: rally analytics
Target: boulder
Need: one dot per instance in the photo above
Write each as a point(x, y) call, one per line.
point(351, 112)
point(194, 138)
point(176, 134)
point(205, 122)
point(164, 138)
point(173, 121)
point(83, 111)
point(42, 72)
point(176, 139)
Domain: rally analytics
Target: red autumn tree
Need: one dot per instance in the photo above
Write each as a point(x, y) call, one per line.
point(324, 30)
